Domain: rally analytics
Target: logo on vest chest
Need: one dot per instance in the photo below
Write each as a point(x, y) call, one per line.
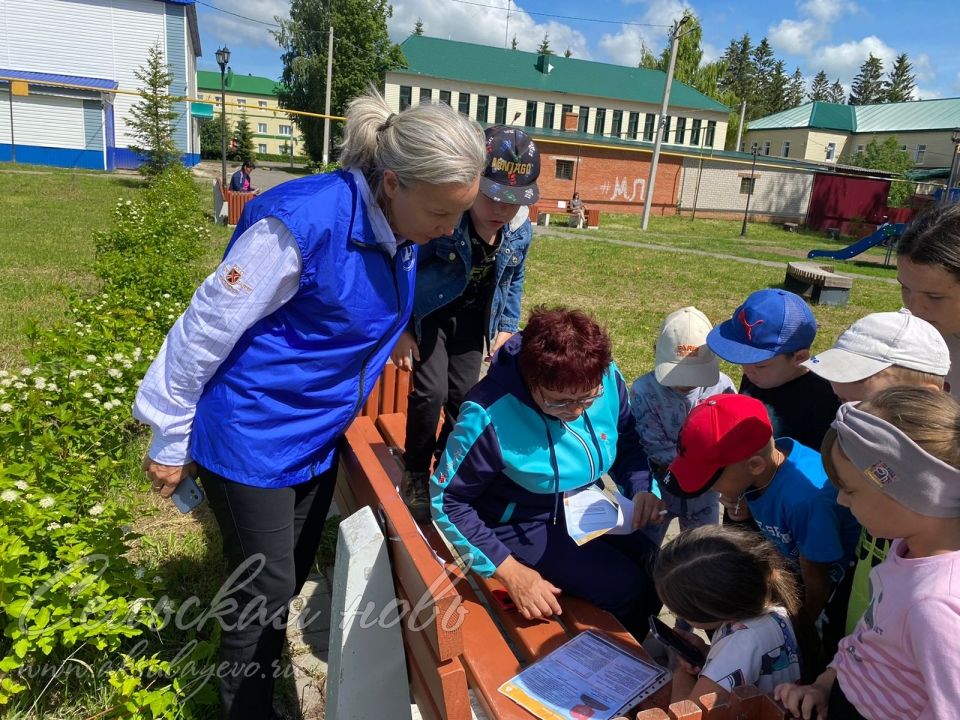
point(407, 258)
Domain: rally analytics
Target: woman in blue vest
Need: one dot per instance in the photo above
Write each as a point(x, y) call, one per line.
point(259, 378)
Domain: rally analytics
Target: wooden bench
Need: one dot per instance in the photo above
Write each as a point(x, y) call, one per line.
point(457, 637)
point(818, 283)
point(235, 202)
point(791, 227)
point(540, 214)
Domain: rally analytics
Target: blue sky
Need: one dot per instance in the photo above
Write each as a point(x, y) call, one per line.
point(833, 35)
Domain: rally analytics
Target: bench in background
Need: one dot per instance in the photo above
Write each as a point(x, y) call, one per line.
point(818, 283)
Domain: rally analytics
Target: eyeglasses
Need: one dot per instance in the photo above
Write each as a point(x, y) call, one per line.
point(577, 402)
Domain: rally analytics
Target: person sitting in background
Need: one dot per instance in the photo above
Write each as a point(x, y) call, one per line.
point(578, 209)
point(240, 181)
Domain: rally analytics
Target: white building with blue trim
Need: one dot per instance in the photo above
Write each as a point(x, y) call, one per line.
point(75, 60)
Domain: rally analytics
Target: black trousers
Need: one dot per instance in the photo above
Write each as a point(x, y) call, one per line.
point(270, 541)
point(451, 353)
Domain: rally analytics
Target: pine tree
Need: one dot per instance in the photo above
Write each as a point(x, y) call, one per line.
point(836, 93)
point(820, 88)
point(544, 47)
point(760, 95)
point(868, 86)
point(901, 82)
point(796, 90)
point(775, 99)
point(513, 43)
point(244, 151)
point(418, 28)
point(739, 74)
point(154, 114)
point(568, 53)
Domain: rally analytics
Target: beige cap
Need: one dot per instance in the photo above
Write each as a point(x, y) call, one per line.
point(682, 357)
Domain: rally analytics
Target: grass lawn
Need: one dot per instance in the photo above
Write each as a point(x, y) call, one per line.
point(763, 241)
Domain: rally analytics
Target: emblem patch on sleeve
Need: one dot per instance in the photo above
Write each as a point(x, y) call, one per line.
point(233, 279)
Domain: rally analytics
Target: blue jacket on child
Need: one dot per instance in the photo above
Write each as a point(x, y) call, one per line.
point(444, 266)
point(272, 414)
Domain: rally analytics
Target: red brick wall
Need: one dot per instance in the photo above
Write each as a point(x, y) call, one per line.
point(610, 179)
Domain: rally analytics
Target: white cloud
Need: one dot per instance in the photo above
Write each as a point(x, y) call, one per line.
point(710, 52)
point(624, 47)
point(923, 68)
point(827, 10)
point(844, 60)
point(229, 30)
point(483, 25)
point(797, 37)
point(925, 94)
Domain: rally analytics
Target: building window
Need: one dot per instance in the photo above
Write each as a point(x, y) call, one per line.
point(921, 151)
point(600, 121)
point(241, 101)
point(262, 148)
point(766, 148)
point(406, 96)
point(286, 130)
point(500, 116)
point(564, 169)
point(445, 97)
point(566, 109)
point(531, 119)
point(785, 149)
point(748, 185)
point(548, 109)
point(695, 131)
point(711, 132)
point(426, 94)
point(261, 103)
point(463, 104)
point(859, 148)
point(902, 147)
point(649, 124)
point(666, 128)
point(483, 103)
point(681, 136)
point(632, 125)
point(616, 123)
point(584, 118)
point(831, 150)
point(261, 127)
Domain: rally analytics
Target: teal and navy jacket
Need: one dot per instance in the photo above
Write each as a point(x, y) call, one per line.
point(444, 266)
point(274, 411)
point(508, 462)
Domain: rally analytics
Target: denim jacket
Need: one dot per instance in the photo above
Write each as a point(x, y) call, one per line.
point(444, 265)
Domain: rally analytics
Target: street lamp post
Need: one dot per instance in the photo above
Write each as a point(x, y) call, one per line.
point(954, 165)
point(746, 210)
point(223, 59)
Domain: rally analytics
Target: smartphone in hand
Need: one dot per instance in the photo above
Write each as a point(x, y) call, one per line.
point(680, 645)
point(188, 495)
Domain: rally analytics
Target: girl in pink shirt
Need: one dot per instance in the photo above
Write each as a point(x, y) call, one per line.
point(895, 459)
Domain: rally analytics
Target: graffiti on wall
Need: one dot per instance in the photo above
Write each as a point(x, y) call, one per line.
point(622, 189)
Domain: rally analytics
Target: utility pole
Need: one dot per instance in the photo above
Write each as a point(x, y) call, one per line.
point(506, 31)
point(753, 182)
point(326, 102)
point(743, 115)
point(658, 139)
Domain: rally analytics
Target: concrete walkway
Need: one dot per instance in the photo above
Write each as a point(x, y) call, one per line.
point(581, 235)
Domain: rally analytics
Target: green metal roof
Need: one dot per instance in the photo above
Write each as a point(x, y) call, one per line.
point(914, 116)
point(240, 84)
point(467, 62)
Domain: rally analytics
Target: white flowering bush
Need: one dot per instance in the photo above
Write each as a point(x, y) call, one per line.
point(69, 594)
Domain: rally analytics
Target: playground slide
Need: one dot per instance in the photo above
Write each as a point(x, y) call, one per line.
point(887, 230)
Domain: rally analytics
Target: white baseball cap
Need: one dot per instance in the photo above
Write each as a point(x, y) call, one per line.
point(682, 357)
point(881, 340)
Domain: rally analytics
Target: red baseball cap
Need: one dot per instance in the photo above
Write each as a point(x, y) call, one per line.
point(720, 431)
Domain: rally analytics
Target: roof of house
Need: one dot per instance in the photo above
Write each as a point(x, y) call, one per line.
point(467, 62)
point(941, 114)
point(240, 84)
point(58, 79)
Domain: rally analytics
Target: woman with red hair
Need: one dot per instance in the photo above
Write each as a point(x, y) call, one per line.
point(551, 417)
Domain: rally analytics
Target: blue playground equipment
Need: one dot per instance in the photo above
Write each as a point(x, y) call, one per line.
point(886, 232)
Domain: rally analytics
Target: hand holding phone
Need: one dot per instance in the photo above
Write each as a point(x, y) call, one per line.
point(680, 645)
point(188, 495)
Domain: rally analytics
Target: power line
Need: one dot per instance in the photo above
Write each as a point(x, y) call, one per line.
point(562, 17)
point(242, 17)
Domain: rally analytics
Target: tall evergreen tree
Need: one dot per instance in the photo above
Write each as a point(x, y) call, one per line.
point(901, 82)
point(362, 54)
point(568, 52)
point(796, 89)
point(544, 47)
point(776, 90)
point(154, 114)
point(836, 94)
point(418, 28)
point(819, 88)
point(759, 99)
point(739, 74)
point(243, 134)
point(514, 44)
point(868, 85)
